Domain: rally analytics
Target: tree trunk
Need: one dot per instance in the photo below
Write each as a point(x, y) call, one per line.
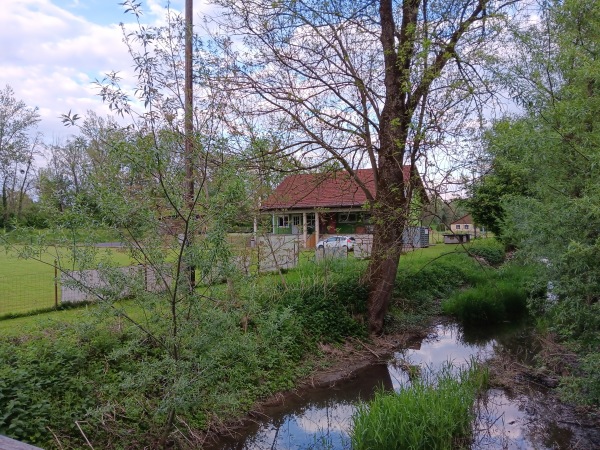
point(4, 204)
point(390, 212)
point(390, 209)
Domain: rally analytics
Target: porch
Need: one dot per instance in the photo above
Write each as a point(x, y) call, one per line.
point(312, 225)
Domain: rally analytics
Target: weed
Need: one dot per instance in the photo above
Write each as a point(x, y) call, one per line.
point(499, 297)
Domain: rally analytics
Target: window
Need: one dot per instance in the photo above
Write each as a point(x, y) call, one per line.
point(458, 227)
point(466, 226)
point(283, 221)
point(348, 217)
point(310, 220)
point(296, 220)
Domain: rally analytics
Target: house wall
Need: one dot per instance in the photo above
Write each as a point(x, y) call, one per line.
point(460, 228)
point(471, 230)
point(330, 223)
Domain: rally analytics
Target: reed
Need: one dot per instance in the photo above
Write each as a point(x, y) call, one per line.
point(435, 412)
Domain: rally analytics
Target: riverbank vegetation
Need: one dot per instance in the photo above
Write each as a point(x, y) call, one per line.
point(234, 350)
point(541, 194)
point(434, 412)
point(239, 342)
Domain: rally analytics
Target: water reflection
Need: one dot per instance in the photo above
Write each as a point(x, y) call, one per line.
point(316, 419)
point(444, 345)
point(321, 418)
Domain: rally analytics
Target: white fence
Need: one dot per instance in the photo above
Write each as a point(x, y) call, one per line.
point(276, 252)
point(88, 285)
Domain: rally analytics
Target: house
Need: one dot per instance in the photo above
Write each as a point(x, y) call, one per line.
point(465, 225)
point(462, 230)
point(315, 204)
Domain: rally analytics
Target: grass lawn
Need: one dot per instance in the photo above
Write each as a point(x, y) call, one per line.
point(27, 284)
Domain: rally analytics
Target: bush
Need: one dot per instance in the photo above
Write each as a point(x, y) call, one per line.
point(435, 280)
point(501, 296)
point(328, 300)
point(490, 250)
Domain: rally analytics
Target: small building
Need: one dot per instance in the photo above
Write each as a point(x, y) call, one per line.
point(466, 225)
point(451, 238)
point(315, 204)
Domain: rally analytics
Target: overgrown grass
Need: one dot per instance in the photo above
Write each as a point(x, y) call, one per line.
point(426, 276)
point(238, 342)
point(491, 250)
point(430, 414)
point(502, 296)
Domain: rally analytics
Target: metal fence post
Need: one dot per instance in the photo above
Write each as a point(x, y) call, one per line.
point(55, 285)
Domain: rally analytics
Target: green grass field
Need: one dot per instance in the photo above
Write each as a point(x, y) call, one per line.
point(27, 284)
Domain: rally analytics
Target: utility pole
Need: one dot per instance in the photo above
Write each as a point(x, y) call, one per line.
point(189, 133)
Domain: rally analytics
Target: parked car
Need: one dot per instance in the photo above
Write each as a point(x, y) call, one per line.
point(337, 242)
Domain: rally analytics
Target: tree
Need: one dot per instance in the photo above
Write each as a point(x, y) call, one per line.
point(552, 151)
point(170, 191)
point(17, 151)
point(506, 177)
point(378, 84)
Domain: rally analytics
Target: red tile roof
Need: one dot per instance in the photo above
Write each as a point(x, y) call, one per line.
point(463, 220)
point(324, 190)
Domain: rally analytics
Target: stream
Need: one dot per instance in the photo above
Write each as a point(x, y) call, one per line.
point(321, 418)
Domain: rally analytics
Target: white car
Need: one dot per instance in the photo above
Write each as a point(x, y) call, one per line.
point(337, 242)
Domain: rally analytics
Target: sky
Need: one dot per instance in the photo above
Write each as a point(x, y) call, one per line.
point(53, 50)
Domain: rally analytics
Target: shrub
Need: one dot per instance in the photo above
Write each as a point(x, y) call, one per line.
point(499, 297)
point(327, 299)
point(490, 250)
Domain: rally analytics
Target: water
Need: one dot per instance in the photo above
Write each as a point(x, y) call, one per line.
point(322, 418)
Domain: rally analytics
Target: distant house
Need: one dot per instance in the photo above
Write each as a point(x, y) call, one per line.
point(462, 230)
point(315, 204)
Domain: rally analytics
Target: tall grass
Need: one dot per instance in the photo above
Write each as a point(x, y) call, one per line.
point(431, 414)
point(500, 297)
point(236, 343)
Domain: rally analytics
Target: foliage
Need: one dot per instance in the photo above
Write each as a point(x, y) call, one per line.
point(17, 152)
point(490, 250)
point(422, 281)
point(429, 414)
point(46, 384)
point(328, 304)
point(400, 81)
point(553, 153)
point(107, 374)
point(506, 177)
point(583, 387)
point(501, 296)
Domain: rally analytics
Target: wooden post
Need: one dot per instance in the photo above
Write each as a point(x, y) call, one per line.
point(316, 227)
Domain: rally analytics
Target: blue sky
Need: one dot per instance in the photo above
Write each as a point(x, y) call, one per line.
point(53, 50)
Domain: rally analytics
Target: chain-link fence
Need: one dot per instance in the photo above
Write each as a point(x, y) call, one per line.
point(20, 294)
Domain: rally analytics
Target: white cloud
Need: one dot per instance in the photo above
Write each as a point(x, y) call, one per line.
point(51, 57)
point(52, 54)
